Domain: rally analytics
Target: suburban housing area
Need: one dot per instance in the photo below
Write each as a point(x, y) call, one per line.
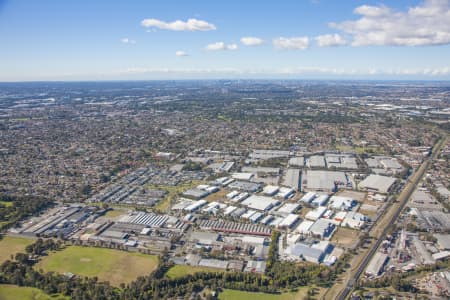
point(351, 194)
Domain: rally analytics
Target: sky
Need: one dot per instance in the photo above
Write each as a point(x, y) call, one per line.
point(205, 39)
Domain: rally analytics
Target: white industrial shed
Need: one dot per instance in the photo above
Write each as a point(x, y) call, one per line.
point(377, 264)
point(378, 183)
point(260, 202)
point(323, 228)
point(321, 200)
point(308, 197)
point(319, 180)
point(289, 221)
point(316, 213)
point(304, 227)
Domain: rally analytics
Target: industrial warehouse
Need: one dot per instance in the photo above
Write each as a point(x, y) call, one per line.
point(234, 214)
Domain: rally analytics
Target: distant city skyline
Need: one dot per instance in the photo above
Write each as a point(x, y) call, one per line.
point(309, 39)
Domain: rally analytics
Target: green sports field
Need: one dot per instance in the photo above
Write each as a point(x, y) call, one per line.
point(183, 270)
point(241, 295)
point(10, 245)
point(106, 264)
point(14, 292)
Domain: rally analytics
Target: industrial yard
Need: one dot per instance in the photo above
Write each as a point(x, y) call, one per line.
point(225, 223)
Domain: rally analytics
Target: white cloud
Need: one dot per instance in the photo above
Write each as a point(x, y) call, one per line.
point(178, 25)
point(232, 47)
point(251, 41)
point(221, 46)
point(188, 71)
point(372, 11)
point(371, 72)
point(297, 71)
point(181, 53)
point(330, 40)
point(316, 71)
point(127, 41)
point(425, 24)
point(297, 43)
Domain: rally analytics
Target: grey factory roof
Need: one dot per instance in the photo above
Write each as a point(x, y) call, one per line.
point(322, 180)
point(297, 161)
point(292, 178)
point(391, 163)
point(378, 183)
point(114, 234)
point(266, 154)
point(424, 200)
point(333, 158)
point(182, 204)
point(343, 161)
point(424, 255)
point(205, 238)
point(322, 227)
point(349, 163)
point(316, 161)
point(255, 170)
point(303, 250)
point(222, 166)
point(376, 264)
point(244, 186)
point(384, 162)
point(443, 241)
point(436, 220)
point(195, 193)
point(373, 163)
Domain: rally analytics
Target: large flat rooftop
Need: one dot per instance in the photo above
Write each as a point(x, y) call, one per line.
point(377, 183)
point(318, 180)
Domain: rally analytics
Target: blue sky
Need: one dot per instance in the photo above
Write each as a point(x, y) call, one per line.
point(103, 40)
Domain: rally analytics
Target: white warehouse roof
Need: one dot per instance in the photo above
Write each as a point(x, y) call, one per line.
point(290, 220)
point(242, 176)
point(378, 183)
point(270, 190)
point(316, 213)
point(260, 202)
point(288, 208)
point(308, 197)
point(304, 227)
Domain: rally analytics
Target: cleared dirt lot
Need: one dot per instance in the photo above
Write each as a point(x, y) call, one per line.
point(345, 237)
point(358, 196)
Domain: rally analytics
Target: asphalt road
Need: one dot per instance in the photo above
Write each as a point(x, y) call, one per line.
point(403, 199)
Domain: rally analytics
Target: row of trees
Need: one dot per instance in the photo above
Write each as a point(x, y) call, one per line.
point(395, 281)
point(21, 272)
point(20, 208)
point(273, 251)
point(279, 276)
point(77, 288)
